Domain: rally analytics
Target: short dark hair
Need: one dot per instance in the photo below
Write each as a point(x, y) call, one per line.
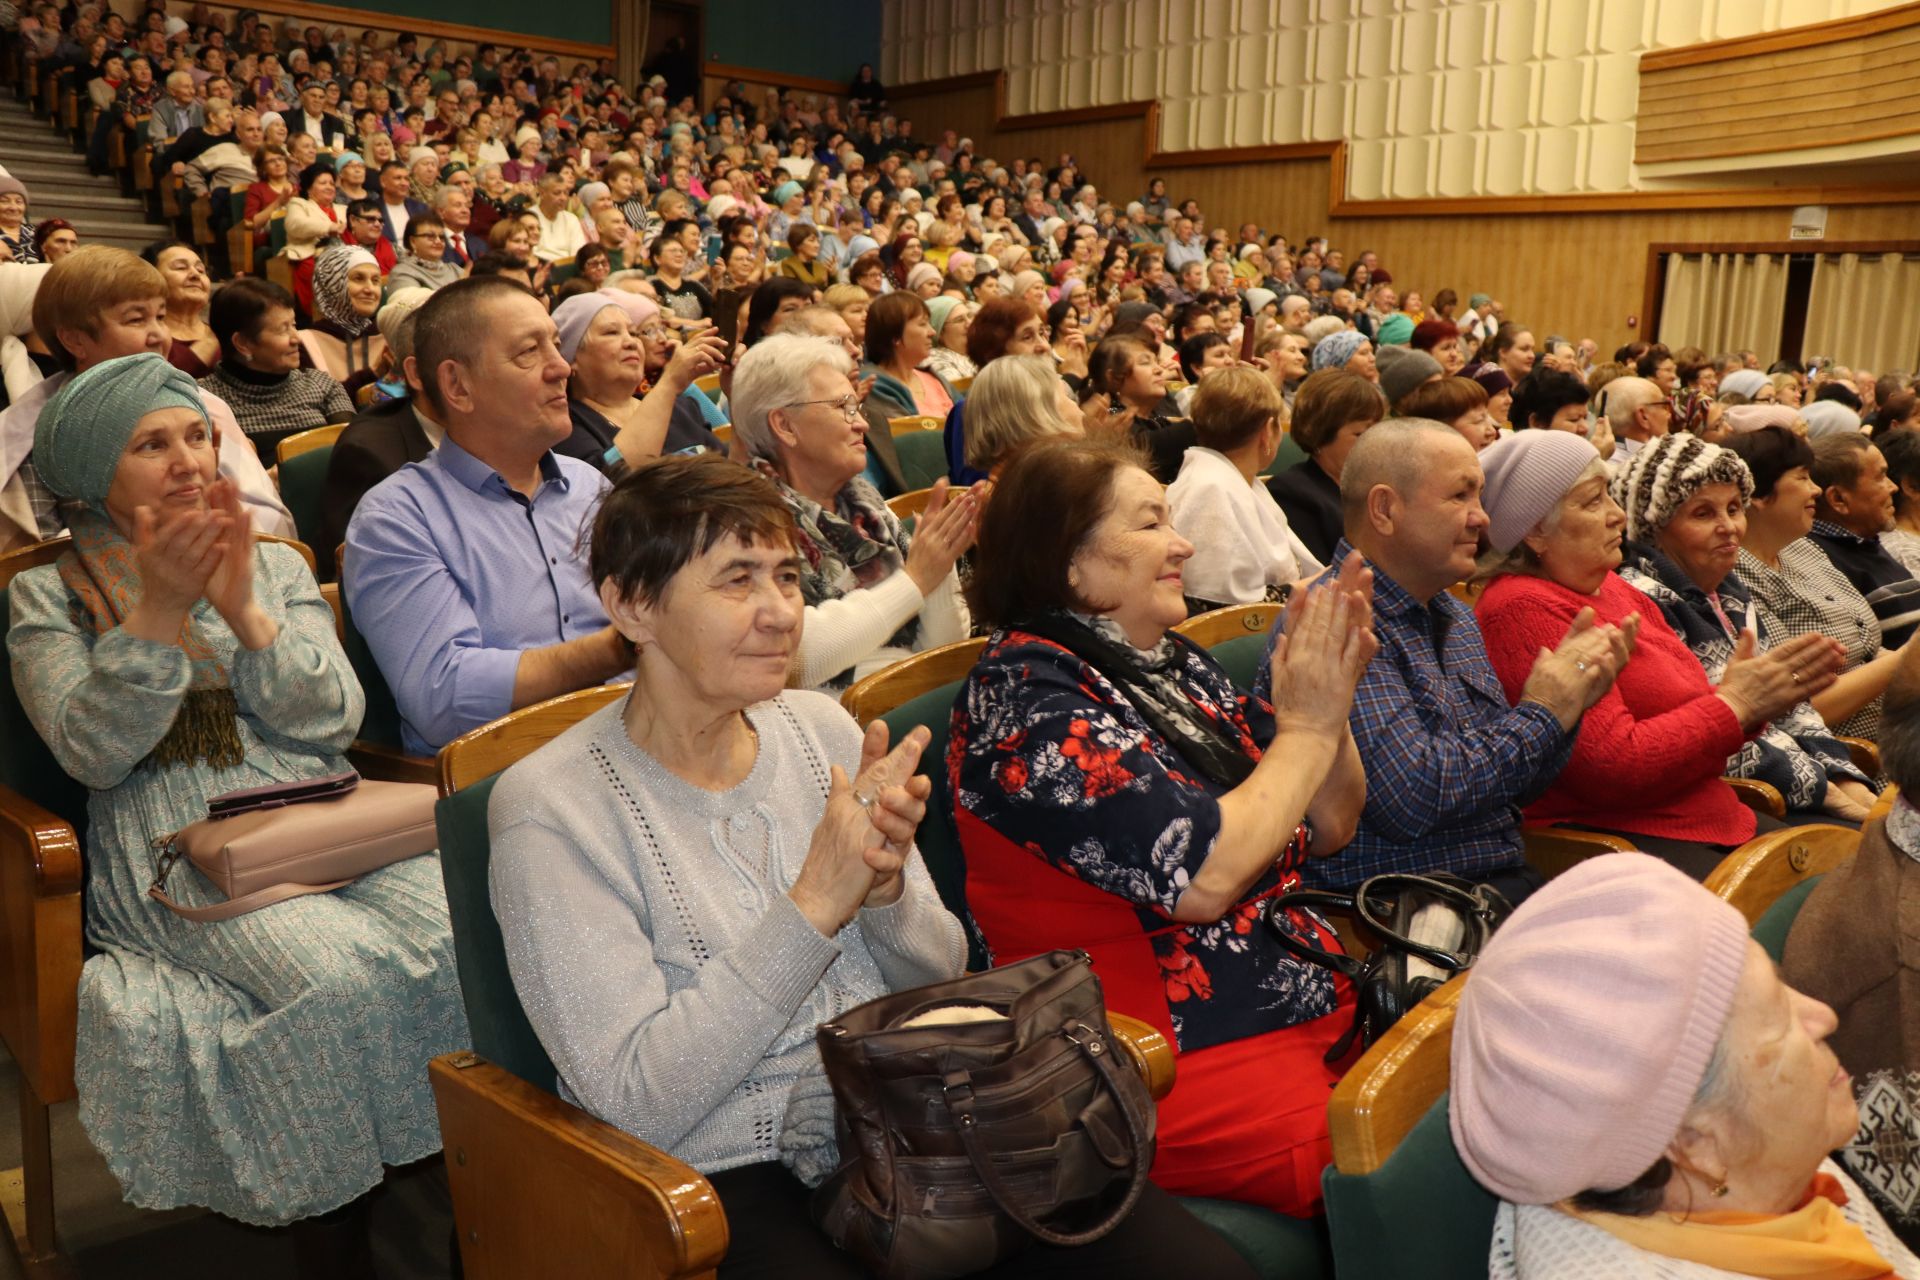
point(1840, 391)
point(799, 233)
point(391, 164)
point(240, 308)
point(993, 327)
point(1648, 362)
point(671, 229)
point(887, 319)
point(496, 266)
point(368, 208)
point(1543, 393)
point(448, 327)
point(1045, 503)
point(1900, 726)
point(1327, 400)
point(1770, 452)
point(1194, 350)
point(664, 513)
point(1112, 361)
point(766, 299)
point(423, 222)
point(1901, 449)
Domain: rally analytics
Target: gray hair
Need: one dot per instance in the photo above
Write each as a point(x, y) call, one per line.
point(773, 375)
point(1626, 397)
point(1322, 326)
point(1012, 403)
point(1388, 453)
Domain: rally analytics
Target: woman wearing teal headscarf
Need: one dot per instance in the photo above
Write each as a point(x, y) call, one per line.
point(267, 1066)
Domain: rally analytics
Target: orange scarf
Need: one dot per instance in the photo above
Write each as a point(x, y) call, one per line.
point(1813, 1242)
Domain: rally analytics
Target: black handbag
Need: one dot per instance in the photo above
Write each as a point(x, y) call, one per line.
point(1431, 927)
point(963, 1142)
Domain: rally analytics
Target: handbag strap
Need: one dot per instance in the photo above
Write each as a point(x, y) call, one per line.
point(959, 1093)
point(1313, 899)
point(1469, 904)
point(244, 903)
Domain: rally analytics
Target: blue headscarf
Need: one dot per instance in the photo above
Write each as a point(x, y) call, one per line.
point(1334, 350)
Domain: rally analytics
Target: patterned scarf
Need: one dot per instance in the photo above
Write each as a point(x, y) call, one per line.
point(104, 577)
point(857, 543)
point(330, 288)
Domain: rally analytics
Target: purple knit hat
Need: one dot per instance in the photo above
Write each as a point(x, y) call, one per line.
point(1588, 1024)
point(1528, 472)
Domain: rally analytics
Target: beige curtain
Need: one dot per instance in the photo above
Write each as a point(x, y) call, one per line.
point(630, 21)
point(1725, 302)
point(1861, 311)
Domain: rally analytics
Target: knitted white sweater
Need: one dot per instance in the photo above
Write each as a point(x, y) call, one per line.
point(1538, 1242)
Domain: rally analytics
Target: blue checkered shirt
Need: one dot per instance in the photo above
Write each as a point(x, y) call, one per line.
point(1449, 763)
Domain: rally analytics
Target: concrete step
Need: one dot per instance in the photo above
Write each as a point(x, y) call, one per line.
point(30, 145)
point(45, 180)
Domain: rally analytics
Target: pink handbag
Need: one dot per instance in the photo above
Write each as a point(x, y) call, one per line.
point(268, 844)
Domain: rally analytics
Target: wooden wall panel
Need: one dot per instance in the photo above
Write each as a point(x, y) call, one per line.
point(1845, 83)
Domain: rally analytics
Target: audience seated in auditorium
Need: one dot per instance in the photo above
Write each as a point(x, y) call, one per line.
point(1649, 755)
point(818, 903)
point(95, 304)
point(442, 556)
point(900, 338)
point(1127, 388)
point(259, 374)
point(874, 594)
point(1115, 793)
point(1686, 505)
point(167, 658)
point(1796, 589)
point(1449, 763)
point(1461, 403)
point(425, 264)
point(1636, 1125)
point(1847, 947)
point(1243, 550)
point(1331, 411)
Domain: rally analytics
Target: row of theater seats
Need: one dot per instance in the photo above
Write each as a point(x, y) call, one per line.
point(542, 1188)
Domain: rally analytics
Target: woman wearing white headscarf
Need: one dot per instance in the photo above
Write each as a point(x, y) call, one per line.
point(346, 295)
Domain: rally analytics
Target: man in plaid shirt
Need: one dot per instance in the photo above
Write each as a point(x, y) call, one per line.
point(1449, 763)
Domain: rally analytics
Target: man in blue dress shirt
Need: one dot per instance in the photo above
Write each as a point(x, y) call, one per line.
point(467, 571)
point(1449, 763)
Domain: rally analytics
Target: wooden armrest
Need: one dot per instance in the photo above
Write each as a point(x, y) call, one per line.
point(1552, 850)
point(1761, 797)
point(1152, 1056)
point(40, 943)
point(390, 764)
point(541, 1188)
point(1864, 754)
point(1392, 1086)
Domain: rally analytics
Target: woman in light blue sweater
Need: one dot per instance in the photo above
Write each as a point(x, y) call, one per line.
point(689, 883)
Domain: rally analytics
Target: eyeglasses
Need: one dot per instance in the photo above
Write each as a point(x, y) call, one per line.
point(849, 406)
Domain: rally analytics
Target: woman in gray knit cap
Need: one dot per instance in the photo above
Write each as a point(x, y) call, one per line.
point(1686, 504)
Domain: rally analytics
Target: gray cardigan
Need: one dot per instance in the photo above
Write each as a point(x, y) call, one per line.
point(652, 942)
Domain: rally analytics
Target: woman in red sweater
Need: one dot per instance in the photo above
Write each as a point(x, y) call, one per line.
point(1648, 759)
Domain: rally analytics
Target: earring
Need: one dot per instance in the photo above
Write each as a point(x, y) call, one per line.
point(1719, 1191)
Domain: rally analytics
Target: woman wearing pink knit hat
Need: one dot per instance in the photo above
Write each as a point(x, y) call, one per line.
point(1648, 1099)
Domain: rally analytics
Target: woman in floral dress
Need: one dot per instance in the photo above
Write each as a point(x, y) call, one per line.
point(1115, 793)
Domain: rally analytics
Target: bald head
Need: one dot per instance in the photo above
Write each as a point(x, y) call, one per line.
point(1410, 501)
point(1626, 397)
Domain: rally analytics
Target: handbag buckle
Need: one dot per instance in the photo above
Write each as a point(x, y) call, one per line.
point(163, 865)
point(1085, 1037)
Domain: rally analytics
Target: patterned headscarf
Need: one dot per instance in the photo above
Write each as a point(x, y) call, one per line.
point(1666, 472)
point(1334, 350)
point(330, 287)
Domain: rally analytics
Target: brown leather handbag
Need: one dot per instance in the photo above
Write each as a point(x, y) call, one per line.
point(963, 1142)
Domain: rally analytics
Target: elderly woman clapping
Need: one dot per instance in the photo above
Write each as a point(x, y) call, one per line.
point(1686, 504)
point(1648, 1099)
point(874, 595)
point(739, 870)
point(1648, 759)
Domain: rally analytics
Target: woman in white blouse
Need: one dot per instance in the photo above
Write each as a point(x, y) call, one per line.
point(1244, 551)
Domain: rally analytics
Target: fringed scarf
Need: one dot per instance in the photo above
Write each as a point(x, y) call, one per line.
point(104, 577)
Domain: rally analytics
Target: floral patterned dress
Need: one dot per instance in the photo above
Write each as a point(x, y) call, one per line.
point(267, 1066)
point(1082, 827)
